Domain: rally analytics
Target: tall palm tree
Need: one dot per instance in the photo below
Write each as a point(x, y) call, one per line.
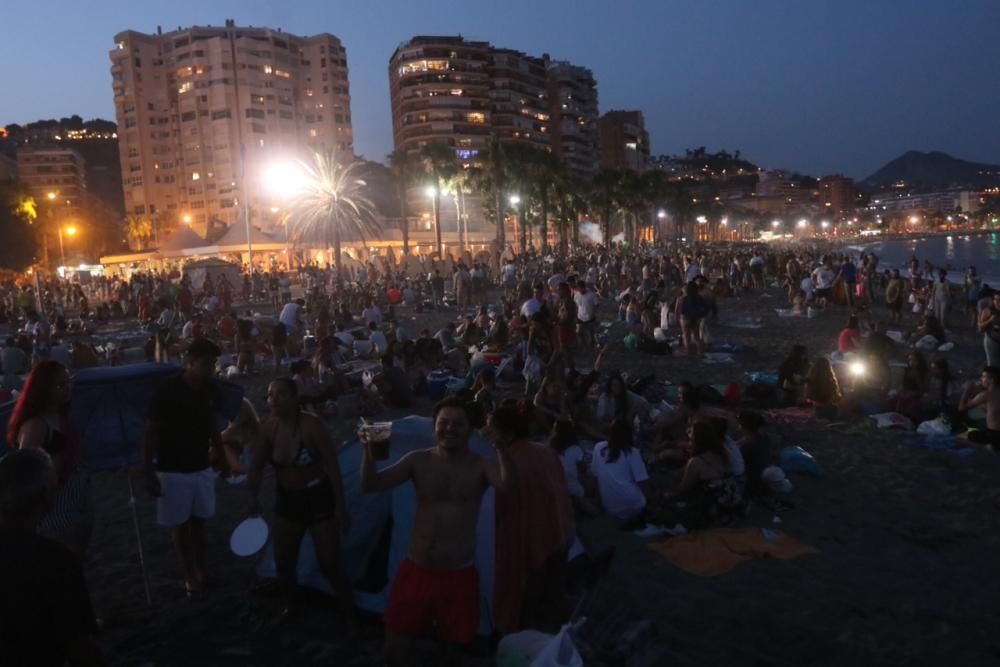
point(543, 171)
point(458, 185)
point(490, 178)
point(331, 204)
point(439, 162)
point(606, 196)
point(570, 203)
point(404, 168)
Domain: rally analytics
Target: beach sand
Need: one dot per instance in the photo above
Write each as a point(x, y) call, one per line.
point(908, 542)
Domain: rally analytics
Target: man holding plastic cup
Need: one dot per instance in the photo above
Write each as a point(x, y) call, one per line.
point(437, 584)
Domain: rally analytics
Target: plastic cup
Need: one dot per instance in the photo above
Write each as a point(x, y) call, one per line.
point(378, 435)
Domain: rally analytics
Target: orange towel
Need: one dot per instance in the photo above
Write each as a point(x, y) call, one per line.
point(716, 551)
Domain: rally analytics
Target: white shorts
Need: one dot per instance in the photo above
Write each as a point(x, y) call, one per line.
point(184, 495)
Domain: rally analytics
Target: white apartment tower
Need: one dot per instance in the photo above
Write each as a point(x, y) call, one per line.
point(202, 111)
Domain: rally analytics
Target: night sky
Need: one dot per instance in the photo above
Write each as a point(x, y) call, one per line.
point(816, 87)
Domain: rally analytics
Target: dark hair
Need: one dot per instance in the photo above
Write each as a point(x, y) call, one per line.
point(289, 384)
point(619, 440)
point(563, 435)
point(852, 322)
point(821, 384)
point(25, 478)
point(750, 421)
point(691, 396)
point(705, 437)
point(34, 396)
point(993, 372)
point(513, 420)
point(202, 348)
point(453, 402)
point(298, 366)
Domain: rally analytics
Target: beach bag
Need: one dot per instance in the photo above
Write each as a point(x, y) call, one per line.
point(798, 460)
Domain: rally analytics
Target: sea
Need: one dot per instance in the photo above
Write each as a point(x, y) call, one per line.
point(956, 253)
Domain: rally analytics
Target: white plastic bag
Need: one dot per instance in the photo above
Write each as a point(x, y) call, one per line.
point(934, 427)
point(559, 652)
point(521, 648)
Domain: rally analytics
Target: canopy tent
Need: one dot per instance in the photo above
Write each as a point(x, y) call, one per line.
point(109, 410)
point(380, 520)
point(184, 241)
point(235, 239)
point(201, 269)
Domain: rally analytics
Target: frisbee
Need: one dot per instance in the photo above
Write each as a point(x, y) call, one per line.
point(249, 537)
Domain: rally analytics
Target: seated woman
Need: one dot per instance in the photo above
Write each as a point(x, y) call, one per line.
point(497, 334)
point(617, 402)
point(822, 390)
point(563, 440)
point(849, 339)
point(312, 394)
point(708, 480)
point(551, 402)
point(916, 382)
point(792, 375)
point(622, 480)
point(930, 326)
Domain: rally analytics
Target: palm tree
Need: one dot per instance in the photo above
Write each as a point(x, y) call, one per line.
point(491, 179)
point(331, 203)
point(570, 204)
point(138, 231)
point(439, 162)
point(404, 168)
point(543, 171)
point(458, 185)
point(606, 197)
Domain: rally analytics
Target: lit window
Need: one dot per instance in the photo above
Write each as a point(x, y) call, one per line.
point(267, 69)
point(456, 91)
point(312, 133)
point(185, 87)
point(478, 118)
point(631, 145)
point(195, 176)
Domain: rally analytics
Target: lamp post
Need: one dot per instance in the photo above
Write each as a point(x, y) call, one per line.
point(518, 231)
point(70, 231)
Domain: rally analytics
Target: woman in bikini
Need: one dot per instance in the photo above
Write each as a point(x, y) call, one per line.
point(40, 419)
point(309, 494)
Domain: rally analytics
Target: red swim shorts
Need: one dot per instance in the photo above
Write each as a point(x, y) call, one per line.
point(422, 598)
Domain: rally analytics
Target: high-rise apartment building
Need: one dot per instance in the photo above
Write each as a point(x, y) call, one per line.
point(624, 142)
point(465, 93)
point(573, 103)
point(54, 176)
point(203, 110)
point(837, 193)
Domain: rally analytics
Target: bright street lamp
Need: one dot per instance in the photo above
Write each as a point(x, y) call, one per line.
point(50, 196)
point(431, 191)
point(824, 224)
point(914, 219)
point(515, 199)
point(802, 223)
point(661, 214)
point(187, 219)
point(724, 222)
point(776, 223)
point(70, 231)
point(701, 219)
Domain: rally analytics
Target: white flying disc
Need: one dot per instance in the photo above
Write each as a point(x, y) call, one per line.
point(249, 537)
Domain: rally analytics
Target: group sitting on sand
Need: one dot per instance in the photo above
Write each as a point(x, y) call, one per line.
point(573, 439)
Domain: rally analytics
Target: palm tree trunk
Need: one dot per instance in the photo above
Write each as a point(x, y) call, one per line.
point(562, 235)
point(544, 197)
point(405, 226)
point(437, 218)
point(522, 218)
point(501, 236)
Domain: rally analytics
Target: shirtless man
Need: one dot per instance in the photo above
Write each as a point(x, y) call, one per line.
point(990, 400)
point(437, 584)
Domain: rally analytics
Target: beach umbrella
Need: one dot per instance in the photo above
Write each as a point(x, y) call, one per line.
point(109, 411)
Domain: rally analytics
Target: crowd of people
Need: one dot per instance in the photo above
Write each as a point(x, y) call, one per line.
point(523, 346)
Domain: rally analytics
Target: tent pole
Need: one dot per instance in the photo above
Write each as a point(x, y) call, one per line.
point(138, 537)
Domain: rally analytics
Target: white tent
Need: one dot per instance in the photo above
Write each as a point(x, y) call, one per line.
point(200, 269)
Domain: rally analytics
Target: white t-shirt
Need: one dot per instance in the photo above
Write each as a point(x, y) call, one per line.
point(289, 315)
point(509, 272)
point(807, 286)
point(372, 314)
point(618, 481)
point(379, 340)
point(530, 307)
point(693, 271)
point(736, 465)
point(824, 277)
point(570, 459)
point(586, 303)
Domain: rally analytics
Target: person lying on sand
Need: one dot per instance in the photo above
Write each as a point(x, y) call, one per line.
point(989, 399)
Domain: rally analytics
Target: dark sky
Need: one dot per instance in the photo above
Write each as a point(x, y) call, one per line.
point(819, 87)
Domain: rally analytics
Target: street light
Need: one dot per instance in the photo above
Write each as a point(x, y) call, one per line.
point(824, 224)
point(187, 219)
point(70, 231)
point(515, 200)
point(661, 214)
point(776, 223)
point(802, 223)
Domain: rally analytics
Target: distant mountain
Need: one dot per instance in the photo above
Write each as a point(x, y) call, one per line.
point(934, 171)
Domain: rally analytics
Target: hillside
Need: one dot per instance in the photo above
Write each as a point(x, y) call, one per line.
point(933, 171)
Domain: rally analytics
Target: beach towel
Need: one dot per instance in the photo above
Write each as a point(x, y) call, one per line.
point(948, 444)
point(713, 552)
point(793, 415)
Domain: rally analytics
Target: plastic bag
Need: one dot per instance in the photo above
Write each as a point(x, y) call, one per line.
point(934, 427)
point(892, 420)
point(521, 648)
point(798, 460)
point(559, 652)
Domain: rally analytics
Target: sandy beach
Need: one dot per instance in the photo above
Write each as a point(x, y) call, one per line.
point(907, 539)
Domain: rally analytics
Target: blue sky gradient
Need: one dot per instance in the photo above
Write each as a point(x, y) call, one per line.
point(816, 87)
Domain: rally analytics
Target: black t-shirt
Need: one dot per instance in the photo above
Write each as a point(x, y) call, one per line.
point(185, 415)
point(44, 603)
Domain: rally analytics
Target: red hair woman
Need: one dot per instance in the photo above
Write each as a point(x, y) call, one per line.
point(40, 420)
